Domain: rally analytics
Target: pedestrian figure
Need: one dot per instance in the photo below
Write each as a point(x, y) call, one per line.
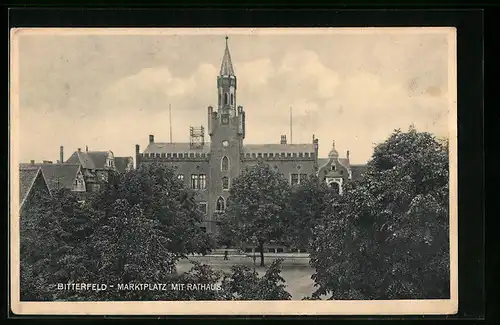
point(225, 255)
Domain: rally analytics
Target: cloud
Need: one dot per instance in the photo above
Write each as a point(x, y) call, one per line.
point(354, 90)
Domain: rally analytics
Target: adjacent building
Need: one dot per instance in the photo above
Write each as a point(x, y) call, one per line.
point(210, 166)
point(32, 186)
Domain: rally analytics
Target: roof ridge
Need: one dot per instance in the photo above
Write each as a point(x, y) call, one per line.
point(38, 171)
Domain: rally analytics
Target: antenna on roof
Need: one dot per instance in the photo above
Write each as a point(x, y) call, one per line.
point(170, 120)
point(291, 125)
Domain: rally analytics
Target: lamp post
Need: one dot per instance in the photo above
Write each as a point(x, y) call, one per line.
point(254, 243)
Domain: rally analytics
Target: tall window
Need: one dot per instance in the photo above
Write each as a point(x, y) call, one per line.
point(203, 181)
point(334, 167)
point(225, 99)
point(181, 177)
point(194, 181)
point(232, 99)
point(225, 183)
point(224, 166)
point(294, 179)
point(220, 204)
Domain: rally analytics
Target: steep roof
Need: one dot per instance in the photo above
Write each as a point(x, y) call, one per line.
point(81, 158)
point(58, 175)
point(121, 163)
point(166, 147)
point(278, 148)
point(27, 177)
point(226, 68)
point(89, 159)
point(358, 171)
point(99, 158)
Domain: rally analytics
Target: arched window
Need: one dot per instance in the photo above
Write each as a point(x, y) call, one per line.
point(232, 99)
point(220, 204)
point(225, 99)
point(335, 186)
point(224, 165)
point(225, 183)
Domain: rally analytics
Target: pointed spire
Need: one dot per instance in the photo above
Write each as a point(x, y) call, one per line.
point(226, 68)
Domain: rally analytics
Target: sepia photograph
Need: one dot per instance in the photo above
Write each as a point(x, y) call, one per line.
point(245, 171)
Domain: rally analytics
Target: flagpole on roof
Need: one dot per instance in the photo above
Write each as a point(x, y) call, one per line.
point(170, 120)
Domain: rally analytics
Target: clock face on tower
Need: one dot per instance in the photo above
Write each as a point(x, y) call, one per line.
point(225, 143)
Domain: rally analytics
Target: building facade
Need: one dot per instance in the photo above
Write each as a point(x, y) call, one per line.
point(210, 166)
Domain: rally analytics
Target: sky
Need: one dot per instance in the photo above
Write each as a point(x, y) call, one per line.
point(110, 92)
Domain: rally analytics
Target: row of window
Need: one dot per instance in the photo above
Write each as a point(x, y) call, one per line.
point(199, 181)
point(247, 155)
point(296, 179)
point(277, 154)
point(226, 99)
point(175, 155)
point(220, 206)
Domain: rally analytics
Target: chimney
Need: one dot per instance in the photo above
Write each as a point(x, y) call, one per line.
point(347, 154)
point(79, 149)
point(137, 156)
point(86, 148)
point(151, 138)
point(283, 139)
point(61, 154)
point(32, 162)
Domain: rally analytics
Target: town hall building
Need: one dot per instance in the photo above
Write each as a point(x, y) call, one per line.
point(210, 166)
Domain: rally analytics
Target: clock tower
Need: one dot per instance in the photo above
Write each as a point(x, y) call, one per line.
point(226, 129)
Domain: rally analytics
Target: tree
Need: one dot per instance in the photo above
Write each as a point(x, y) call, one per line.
point(54, 245)
point(161, 196)
point(308, 202)
point(389, 237)
point(256, 206)
point(240, 283)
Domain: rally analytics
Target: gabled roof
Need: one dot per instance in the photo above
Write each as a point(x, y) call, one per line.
point(27, 177)
point(81, 158)
point(89, 159)
point(57, 176)
point(178, 147)
point(226, 68)
point(122, 162)
point(358, 171)
point(278, 148)
point(99, 158)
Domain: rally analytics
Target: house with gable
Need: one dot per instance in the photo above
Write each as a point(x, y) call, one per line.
point(32, 187)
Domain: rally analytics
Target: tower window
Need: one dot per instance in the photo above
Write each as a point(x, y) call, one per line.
point(203, 181)
point(163, 155)
point(334, 167)
point(232, 99)
point(226, 101)
point(194, 181)
point(225, 183)
point(224, 164)
point(169, 155)
point(300, 154)
point(220, 205)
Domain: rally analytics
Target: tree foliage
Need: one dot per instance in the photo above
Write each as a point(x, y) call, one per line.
point(135, 231)
point(256, 206)
point(308, 203)
point(388, 238)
